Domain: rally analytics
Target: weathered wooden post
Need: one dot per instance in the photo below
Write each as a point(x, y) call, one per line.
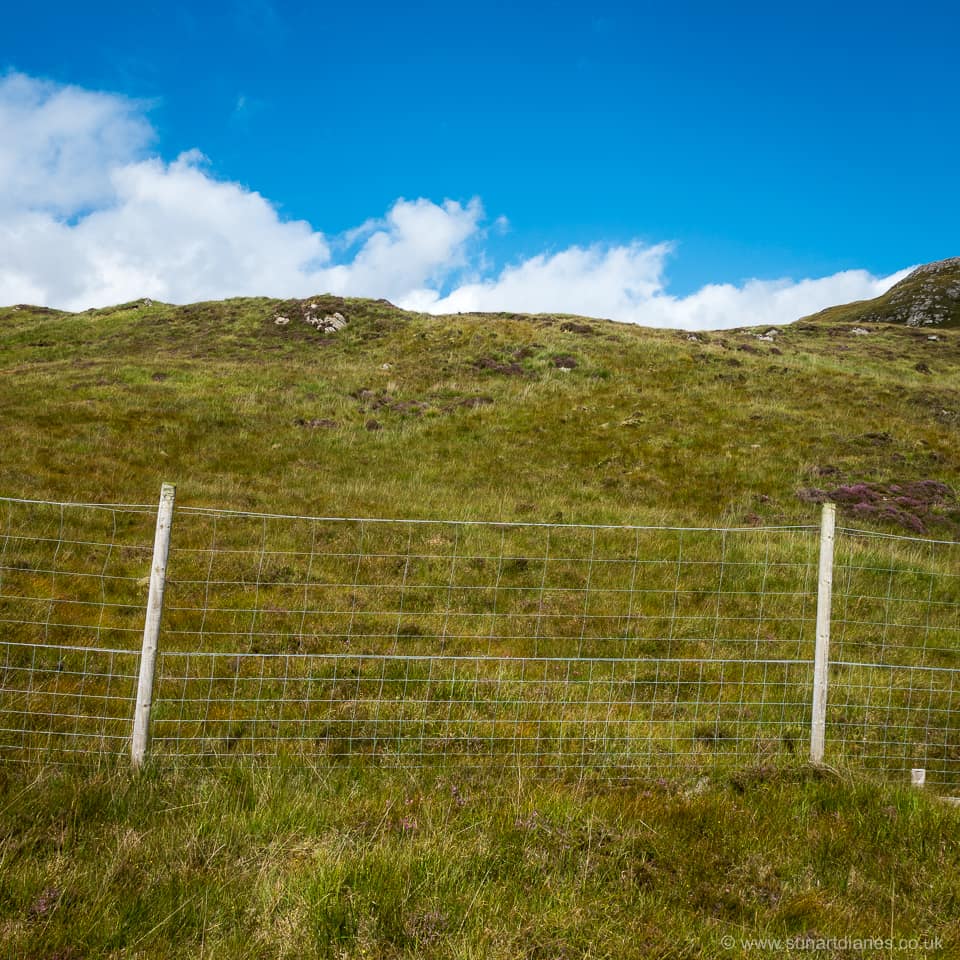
point(151, 628)
point(821, 662)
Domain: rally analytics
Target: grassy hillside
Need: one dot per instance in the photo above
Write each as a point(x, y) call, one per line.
point(493, 416)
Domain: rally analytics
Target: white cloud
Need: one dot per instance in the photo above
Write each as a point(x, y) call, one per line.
point(761, 301)
point(87, 218)
point(628, 283)
point(59, 144)
point(418, 242)
point(614, 282)
point(170, 232)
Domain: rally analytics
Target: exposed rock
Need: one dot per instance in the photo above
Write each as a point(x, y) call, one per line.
point(329, 324)
point(927, 297)
point(937, 267)
point(312, 312)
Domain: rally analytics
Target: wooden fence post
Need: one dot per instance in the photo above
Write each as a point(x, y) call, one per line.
point(821, 661)
point(151, 628)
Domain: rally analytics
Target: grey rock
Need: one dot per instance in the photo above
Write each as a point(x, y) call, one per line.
point(938, 266)
point(326, 325)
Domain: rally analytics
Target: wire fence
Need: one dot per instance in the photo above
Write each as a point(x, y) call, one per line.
point(623, 649)
point(895, 654)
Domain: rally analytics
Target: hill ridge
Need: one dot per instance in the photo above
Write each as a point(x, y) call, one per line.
point(929, 296)
point(935, 266)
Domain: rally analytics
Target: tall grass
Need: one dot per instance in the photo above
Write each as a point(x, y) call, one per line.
point(280, 860)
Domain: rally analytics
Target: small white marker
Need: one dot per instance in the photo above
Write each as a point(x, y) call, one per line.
point(918, 776)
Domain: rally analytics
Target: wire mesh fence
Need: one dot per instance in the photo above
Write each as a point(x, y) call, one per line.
point(554, 646)
point(71, 617)
point(623, 649)
point(895, 654)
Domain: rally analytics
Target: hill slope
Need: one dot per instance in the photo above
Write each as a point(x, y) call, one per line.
point(493, 416)
point(249, 404)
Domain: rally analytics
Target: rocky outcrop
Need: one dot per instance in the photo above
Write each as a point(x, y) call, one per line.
point(328, 324)
point(310, 312)
point(928, 297)
point(937, 267)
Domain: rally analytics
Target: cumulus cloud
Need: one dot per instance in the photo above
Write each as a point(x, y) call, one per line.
point(761, 301)
point(611, 282)
point(169, 231)
point(60, 144)
point(88, 218)
point(417, 243)
point(84, 220)
point(628, 283)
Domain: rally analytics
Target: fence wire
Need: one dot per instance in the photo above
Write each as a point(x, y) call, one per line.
point(622, 714)
point(72, 597)
point(619, 648)
point(895, 653)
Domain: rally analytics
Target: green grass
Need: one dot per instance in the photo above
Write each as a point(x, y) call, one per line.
point(287, 861)
point(476, 418)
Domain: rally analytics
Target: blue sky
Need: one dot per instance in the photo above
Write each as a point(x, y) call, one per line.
point(717, 144)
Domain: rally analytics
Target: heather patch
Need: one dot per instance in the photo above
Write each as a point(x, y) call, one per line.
point(920, 506)
point(508, 368)
point(571, 326)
